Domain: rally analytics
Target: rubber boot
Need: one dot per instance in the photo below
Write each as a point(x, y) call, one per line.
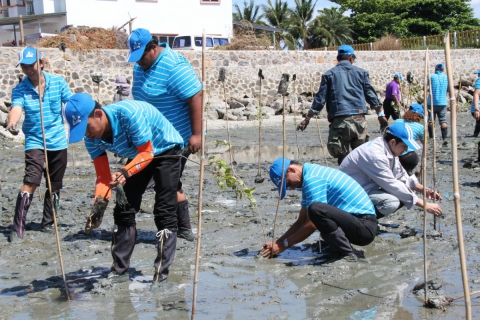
point(123, 242)
point(444, 133)
point(477, 129)
point(339, 243)
point(47, 220)
point(183, 219)
point(430, 131)
point(166, 245)
point(478, 152)
point(24, 199)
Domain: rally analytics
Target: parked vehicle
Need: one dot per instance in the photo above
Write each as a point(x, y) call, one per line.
point(195, 42)
point(34, 37)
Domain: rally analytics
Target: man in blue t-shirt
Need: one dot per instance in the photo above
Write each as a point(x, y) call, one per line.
point(166, 80)
point(54, 91)
point(332, 203)
point(475, 106)
point(139, 132)
point(439, 83)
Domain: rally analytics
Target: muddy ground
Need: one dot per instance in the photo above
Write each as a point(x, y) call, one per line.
point(233, 282)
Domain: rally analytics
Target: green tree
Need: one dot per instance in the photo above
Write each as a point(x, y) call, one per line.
point(408, 18)
point(302, 14)
point(249, 12)
point(330, 28)
point(278, 15)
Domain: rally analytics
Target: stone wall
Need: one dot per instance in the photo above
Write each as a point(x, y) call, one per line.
point(242, 82)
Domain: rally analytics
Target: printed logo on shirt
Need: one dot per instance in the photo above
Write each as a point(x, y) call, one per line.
point(29, 55)
point(136, 45)
point(76, 120)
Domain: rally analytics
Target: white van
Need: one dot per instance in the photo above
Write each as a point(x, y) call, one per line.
point(195, 42)
point(35, 37)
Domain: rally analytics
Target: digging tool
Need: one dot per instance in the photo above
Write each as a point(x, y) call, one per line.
point(434, 157)
point(259, 178)
point(200, 185)
point(221, 78)
point(458, 93)
point(410, 81)
point(282, 90)
point(456, 192)
point(97, 78)
point(54, 213)
point(294, 78)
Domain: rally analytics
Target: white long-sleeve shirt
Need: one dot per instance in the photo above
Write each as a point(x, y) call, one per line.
point(374, 166)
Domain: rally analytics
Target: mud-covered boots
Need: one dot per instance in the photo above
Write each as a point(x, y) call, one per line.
point(24, 199)
point(166, 246)
point(444, 132)
point(183, 219)
point(430, 131)
point(340, 245)
point(123, 242)
point(47, 220)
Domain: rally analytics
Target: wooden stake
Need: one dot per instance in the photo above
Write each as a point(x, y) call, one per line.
point(40, 96)
point(259, 178)
point(321, 142)
point(200, 185)
point(294, 104)
point(424, 174)
point(456, 192)
point(434, 157)
point(230, 147)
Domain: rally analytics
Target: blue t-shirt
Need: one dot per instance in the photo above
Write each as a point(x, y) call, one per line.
point(439, 88)
point(166, 85)
point(134, 123)
point(55, 93)
point(477, 86)
point(333, 187)
point(417, 129)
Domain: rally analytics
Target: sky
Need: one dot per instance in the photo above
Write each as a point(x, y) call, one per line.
point(327, 4)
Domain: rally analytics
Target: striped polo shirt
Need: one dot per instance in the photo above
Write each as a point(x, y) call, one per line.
point(477, 86)
point(439, 88)
point(166, 85)
point(134, 123)
point(417, 129)
point(55, 93)
point(333, 187)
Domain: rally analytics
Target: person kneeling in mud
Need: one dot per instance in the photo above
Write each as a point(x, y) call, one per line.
point(139, 132)
point(376, 167)
point(332, 203)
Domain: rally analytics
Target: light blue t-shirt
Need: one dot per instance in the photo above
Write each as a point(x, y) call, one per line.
point(134, 123)
point(333, 187)
point(417, 129)
point(439, 88)
point(55, 93)
point(477, 86)
point(166, 85)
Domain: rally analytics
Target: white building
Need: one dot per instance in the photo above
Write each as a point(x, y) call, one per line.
point(165, 18)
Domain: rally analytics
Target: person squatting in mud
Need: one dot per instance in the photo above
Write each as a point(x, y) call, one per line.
point(139, 132)
point(25, 98)
point(332, 203)
point(376, 167)
point(166, 80)
point(344, 90)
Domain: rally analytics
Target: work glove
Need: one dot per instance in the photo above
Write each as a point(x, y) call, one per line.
point(95, 218)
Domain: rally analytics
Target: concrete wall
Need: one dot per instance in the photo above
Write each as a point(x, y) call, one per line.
point(242, 67)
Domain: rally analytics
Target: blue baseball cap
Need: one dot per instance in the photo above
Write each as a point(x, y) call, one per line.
point(137, 41)
point(439, 66)
point(276, 174)
point(76, 112)
point(417, 108)
point(403, 131)
point(345, 49)
point(28, 56)
point(477, 72)
point(398, 75)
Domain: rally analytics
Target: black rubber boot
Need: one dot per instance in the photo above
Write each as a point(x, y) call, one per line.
point(47, 220)
point(24, 199)
point(444, 133)
point(123, 242)
point(478, 152)
point(183, 218)
point(166, 245)
point(340, 244)
point(477, 129)
point(430, 131)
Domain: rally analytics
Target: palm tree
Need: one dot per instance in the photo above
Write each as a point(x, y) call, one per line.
point(302, 14)
point(248, 13)
point(278, 15)
point(330, 28)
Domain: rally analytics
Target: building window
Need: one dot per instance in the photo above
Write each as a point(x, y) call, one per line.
point(210, 1)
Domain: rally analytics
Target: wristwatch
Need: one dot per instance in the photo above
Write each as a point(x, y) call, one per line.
point(285, 243)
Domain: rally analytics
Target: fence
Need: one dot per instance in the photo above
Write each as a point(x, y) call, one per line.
point(461, 39)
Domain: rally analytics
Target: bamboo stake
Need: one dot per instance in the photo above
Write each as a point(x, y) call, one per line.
point(434, 157)
point(40, 97)
point(282, 89)
point(424, 174)
point(200, 185)
point(221, 78)
point(456, 192)
point(294, 78)
point(458, 93)
point(319, 133)
point(258, 178)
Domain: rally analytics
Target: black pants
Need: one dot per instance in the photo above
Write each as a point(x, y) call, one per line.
point(360, 230)
point(165, 173)
point(409, 161)
point(388, 108)
point(35, 167)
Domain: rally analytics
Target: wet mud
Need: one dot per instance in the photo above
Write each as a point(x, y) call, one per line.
point(234, 282)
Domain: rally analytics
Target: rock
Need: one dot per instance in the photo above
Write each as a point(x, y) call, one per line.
point(234, 104)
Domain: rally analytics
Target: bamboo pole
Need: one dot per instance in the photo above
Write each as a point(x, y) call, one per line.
point(22, 35)
point(57, 236)
point(321, 142)
point(258, 178)
point(294, 104)
point(424, 176)
point(221, 78)
point(456, 192)
point(434, 156)
point(200, 185)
